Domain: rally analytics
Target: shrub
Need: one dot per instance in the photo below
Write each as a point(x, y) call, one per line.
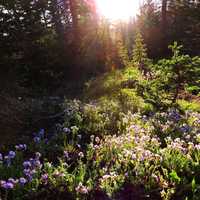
point(172, 75)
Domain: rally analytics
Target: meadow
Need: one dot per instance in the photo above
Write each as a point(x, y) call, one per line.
point(100, 100)
point(126, 139)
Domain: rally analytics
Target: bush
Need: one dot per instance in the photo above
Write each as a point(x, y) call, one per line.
point(172, 75)
point(100, 149)
point(192, 106)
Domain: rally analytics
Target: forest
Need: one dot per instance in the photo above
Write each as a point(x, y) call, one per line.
point(99, 99)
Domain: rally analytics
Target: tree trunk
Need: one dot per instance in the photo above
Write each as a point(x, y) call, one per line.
point(74, 13)
point(56, 18)
point(164, 24)
point(164, 13)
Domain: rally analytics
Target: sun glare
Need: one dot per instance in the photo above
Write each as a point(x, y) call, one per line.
point(118, 9)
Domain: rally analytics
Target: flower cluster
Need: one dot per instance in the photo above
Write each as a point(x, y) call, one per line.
point(21, 147)
point(7, 159)
point(39, 136)
point(31, 166)
point(12, 183)
point(81, 189)
point(154, 151)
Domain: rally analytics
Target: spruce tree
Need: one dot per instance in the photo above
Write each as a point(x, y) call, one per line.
point(123, 54)
point(139, 56)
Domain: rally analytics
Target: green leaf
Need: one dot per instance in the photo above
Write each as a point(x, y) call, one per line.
point(174, 177)
point(193, 185)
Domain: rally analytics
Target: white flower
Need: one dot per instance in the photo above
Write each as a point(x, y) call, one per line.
point(81, 189)
point(92, 138)
point(105, 176)
point(81, 155)
point(66, 130)
point(97, 139)
point(197, 146)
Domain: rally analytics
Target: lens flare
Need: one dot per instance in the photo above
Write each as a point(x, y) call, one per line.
point(118, 9)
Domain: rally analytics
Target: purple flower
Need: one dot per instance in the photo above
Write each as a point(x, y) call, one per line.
point(44, 178)
point(46, 141)
point(37, 164)
point(12, 180)
point(22, 181)
point(7, 185)
point(28, 173)
point(66, 130)
point(27, 164)
point(11, 154)
point(1, 157)
point(66, 155)
point(79, 146)
point(41, 133)
point(7, 160)
point(21, 147)
point(174, 115)
point(185, 128)
point(29, 177)
point(36, 139)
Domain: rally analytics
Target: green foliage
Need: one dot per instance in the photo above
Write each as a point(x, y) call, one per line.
point(127, 132)
point(172, 75)
point(111, 83)
point(46, 43)
point(174, 177)
point(139, 56)
point(101, 146)
point(193, 89)
point(123, 54)
point(193, 106)
point(124, 87)
point(139, 50)
point(183, 24)
point(130, 101)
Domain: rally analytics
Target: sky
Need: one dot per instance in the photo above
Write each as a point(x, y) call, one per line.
point(118, 9)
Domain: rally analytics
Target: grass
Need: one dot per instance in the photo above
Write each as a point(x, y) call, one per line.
point(189, 105)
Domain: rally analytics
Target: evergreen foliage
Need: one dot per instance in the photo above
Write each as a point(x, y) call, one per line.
point(133, 129)
point(139, 56)
point(176, 73)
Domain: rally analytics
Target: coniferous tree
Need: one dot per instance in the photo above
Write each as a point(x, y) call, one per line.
point(139, 56)
point(184, 24)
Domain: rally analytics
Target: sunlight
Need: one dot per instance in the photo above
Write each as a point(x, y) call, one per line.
point(118, 9)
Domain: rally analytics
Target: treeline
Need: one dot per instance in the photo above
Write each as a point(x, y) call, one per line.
point(45, 42)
